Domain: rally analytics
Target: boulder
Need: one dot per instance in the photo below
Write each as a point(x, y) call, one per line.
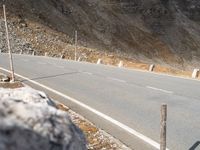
point(28, 122)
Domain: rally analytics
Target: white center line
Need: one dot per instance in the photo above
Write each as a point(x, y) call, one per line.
point(41, 63)
point(60, 66)
point(157, 89)
point(115, 79)
point(89, 73)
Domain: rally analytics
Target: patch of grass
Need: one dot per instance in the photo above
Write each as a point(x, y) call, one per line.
point(9, 85)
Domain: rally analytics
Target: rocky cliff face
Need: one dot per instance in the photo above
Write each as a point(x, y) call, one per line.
point(165, 31)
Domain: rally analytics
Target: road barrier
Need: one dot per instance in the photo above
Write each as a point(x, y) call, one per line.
point(120, 64)
point(99, 61)
point(33, 53)
point(195, 73)
point(151, 67)
point(163, 127)
point(62, 56)
point(79, 59)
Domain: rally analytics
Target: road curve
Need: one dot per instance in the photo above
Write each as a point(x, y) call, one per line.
point(128, 96)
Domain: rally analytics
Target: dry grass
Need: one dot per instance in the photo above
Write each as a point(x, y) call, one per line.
point(7, 84)
point(11, 85)
point(171, 71)
point(97, 139)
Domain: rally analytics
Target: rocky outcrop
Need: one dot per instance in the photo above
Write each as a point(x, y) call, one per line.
point(17, 44)
point(29, 122)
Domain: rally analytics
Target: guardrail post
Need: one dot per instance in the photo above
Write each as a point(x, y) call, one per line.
point(163, 127)
point(45, 54)
point(33, 53)
point(21, 52)
point(99, 61)
point(79, 59)
point(62, 56)
point(120, 64)
point(151, 67)
point(195, 73)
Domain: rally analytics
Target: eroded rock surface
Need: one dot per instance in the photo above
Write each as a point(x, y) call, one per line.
point(163, 31)
point(28, 122)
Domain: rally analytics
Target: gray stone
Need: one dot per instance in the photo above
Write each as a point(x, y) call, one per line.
point(34, 125)
point(4, 78)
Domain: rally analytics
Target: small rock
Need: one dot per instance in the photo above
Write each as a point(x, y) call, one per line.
point(4, 78)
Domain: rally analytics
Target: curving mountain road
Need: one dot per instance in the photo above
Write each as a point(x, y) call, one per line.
point(130, 97)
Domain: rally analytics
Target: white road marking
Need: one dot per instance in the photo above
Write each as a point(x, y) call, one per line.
point(104, 116)
point(54, 64)
point(60, 66)
point(115, 79)
point(51, 63)
point(41, 63)
point(89, 73)
point(157, 89)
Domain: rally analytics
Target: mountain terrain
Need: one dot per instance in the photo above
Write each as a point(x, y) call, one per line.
point(165, 32)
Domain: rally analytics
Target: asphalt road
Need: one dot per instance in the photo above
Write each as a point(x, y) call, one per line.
point(129, 96)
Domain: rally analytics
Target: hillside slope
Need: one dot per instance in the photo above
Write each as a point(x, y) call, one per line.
point(161, 31)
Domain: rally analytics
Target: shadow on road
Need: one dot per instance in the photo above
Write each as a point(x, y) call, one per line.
point(52, 76)
point(196, 146)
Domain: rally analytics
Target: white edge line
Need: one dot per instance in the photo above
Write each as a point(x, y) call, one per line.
point(157, 89)
point(108, 118)
point(89, 73)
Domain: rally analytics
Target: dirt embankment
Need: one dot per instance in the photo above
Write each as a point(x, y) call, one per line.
point(139, 33)
point(164, 32)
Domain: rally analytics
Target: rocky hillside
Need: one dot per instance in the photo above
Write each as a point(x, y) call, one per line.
point(162, 31)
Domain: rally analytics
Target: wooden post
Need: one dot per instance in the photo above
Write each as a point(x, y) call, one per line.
point(8, 45)
point(163, 127)
point(75, 53)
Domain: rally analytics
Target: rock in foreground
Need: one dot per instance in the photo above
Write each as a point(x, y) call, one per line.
point(35, 125)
